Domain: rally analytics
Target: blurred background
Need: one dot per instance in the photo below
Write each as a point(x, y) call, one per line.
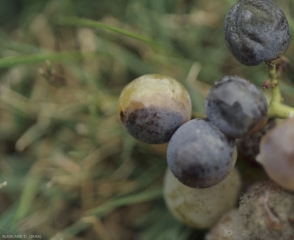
point(68, 169)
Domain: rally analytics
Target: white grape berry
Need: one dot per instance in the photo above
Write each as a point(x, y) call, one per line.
point(201, 208)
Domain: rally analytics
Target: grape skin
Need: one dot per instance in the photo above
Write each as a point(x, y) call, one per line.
point(226, 228)
point(236, 106)
point(266, 213)
point(256, 31)
point(199, 155)
point(153, 107)
point(201, 208)
point(277, 154)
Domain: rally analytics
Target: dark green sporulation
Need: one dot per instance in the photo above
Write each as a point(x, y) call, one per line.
point(199, 155)
point(236, 106)
point(151, 125)
point(256, 31)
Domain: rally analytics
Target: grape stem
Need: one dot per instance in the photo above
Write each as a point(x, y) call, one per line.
point(277, 109)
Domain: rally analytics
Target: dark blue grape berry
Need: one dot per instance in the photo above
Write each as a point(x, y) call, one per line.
point(256, 31)
point(153, 107)
point(236, 106)
point(199, 155)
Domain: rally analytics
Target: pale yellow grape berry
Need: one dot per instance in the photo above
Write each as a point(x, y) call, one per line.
point(277, 154)
point(226, 228)
point(201, 208)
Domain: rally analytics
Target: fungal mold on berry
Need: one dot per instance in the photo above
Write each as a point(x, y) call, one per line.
point(266, 212)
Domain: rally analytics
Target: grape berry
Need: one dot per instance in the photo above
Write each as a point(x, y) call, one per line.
point(236, 106)
point(266, 213)
point(201, 208)
point(200, 155)
point(153, 107)
point(277, 154)
point(256, 31)
point(248, 147)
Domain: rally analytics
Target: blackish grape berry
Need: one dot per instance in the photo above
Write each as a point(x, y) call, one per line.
point(236, 106)
point(199, 155)
point(256, 31)
point(248, 147)
point(153, 107)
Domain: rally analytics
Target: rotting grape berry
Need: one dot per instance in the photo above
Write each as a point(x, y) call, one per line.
point(199, 155)
point(236, 106)
point(201, 208)
point(256, 31)
point(226, 228)
point(277, 154)
point(248, 147)
point(153, 107)
point(266, 212)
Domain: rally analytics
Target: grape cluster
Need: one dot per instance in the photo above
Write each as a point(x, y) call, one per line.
point(202, 153)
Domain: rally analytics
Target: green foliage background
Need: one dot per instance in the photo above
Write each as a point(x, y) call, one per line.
point(72, 172)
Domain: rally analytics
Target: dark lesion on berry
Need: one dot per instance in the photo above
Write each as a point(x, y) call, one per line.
point(291, 221)
point(248, 55)
point(121, 114)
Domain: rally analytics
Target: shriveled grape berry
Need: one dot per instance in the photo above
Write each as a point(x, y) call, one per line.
point(236, 106)
point(277, 154)
point(153, 107)
point(256, 31)
point(266, 212)
point(199, 155)
point(248, 147)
